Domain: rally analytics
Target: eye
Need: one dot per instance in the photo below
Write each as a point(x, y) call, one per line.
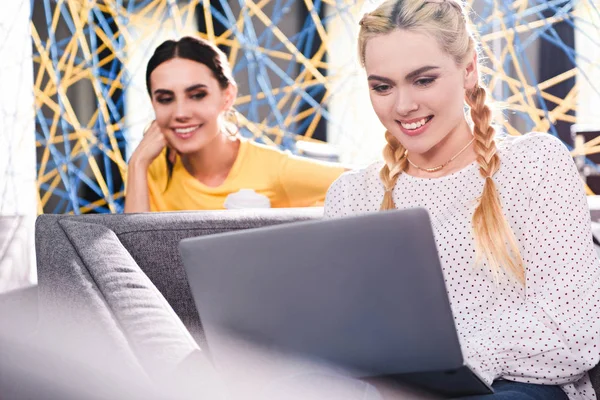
point(381, 88)
point(198, 96)
point(424, 82)
point(164, 100)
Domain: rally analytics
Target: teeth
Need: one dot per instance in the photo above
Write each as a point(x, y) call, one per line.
point(414, 125)
point(186, 130)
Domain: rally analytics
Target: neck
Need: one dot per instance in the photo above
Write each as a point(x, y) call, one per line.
point(213, 161)
point(444, 151)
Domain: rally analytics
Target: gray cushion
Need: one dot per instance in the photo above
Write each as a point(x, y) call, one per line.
point(151, 239)
point(157, 336)
point(74, 319)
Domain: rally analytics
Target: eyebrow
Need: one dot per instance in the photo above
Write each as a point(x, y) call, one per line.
point(408, 77)
point(420, 71)
point(187, 90)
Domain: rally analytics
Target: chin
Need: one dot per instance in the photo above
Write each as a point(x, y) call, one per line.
point(186, 150)
point(417, 150)
point(185, 146)
point(418, 146)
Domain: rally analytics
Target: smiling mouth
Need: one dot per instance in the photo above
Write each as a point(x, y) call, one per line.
point(416, 125)
point(185, 133)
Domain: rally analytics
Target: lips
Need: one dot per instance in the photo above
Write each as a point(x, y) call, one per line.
point(186, 132)
point(415, 127)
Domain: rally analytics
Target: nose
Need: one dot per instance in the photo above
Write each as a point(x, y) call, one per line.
point(182, 111)
point(405, 103)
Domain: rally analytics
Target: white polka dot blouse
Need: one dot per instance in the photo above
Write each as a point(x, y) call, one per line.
point(546, 332)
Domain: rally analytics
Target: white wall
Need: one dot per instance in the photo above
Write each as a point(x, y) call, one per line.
point(17, 137)
point(355, 130)
point(18, 192)
point(588, 60)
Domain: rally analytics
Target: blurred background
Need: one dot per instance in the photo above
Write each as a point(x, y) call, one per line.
point(73, 102)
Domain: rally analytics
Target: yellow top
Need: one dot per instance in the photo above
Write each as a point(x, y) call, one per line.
point(287, 180)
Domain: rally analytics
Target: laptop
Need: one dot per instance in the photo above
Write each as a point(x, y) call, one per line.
point(365, 294)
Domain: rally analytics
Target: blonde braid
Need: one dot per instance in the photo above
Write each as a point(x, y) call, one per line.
point(494, 239)
point(394, 155)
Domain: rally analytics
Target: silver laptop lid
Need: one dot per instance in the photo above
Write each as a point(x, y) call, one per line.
point(366, 292)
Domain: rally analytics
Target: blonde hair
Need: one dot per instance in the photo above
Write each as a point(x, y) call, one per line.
point(445, 20)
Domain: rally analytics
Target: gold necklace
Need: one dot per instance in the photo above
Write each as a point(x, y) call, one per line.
point(435, 169)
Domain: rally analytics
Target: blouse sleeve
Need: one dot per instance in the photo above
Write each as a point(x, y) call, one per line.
point(335, 199)
point(552, 337)
point(305, 181)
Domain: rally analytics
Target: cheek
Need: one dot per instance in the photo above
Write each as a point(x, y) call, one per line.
point(442, 100)
point(209, 111)
point(212, 112)
point(451, 95)
point(162, 115)
point(381, 106)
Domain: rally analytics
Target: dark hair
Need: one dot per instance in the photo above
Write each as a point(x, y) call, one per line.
point(194, 49)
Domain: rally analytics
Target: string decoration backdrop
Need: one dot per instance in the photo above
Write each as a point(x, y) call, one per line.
point(541, 58)
point(298, 74)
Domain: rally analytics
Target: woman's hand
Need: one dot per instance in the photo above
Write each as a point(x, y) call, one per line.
point(137, 196)
point(152, 144)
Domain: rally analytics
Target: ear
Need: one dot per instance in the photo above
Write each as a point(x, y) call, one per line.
point(471, 72)
point(230, 96)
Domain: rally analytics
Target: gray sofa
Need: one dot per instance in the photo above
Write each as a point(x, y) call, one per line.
point(65, 245)
point(111, 288)
point(117, 281)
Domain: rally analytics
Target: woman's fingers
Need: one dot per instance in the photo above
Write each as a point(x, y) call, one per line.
point(154, 131)
point(152, 144)
point(150, 125)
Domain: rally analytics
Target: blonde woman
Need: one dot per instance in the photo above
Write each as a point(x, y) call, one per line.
point(510, 216)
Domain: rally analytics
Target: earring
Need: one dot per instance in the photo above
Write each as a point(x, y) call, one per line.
point(232, 125)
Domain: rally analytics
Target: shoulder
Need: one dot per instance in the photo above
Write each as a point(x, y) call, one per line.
point(358, 180)
point(533, 147)
point(364, 175)
point(268, 157)
point(536, 157)
point(254, 147)
point(354, 191)
point(286, 163)
point(532, 142)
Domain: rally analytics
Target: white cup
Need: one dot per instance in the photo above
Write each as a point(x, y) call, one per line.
point(246, 198)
